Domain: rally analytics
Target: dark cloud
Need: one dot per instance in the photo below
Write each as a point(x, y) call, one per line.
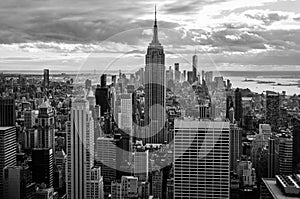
point(268, 17)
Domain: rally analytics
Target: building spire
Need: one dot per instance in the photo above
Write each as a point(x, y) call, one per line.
point(155, 32)
point(155, 22)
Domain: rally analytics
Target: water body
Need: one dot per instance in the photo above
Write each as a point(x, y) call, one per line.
point(269, 80)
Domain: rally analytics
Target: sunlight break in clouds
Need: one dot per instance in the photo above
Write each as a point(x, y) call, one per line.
point(239, 32)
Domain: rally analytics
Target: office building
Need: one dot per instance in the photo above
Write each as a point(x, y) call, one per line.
point(238, 106)
point(97, 191)
point(208, 77)
point(7, 111)
point(102, 99)
point(190, 77)
point(195, 67)
point(296, 144)
point(42, 166)
point(177, 72)
point(273, 156)
point(45, 193)
point(155, 89)
point(201, 159)
point(280, 156)
point(235, 146)
point(125, 115)
point(246, 173)
point(46, 81)
point(106, 159)
point(8, 151)
point(129, 187)
point(29, 118)
point(265, 130)
point(46, 126)
point(282, 186)
point(103, 81)
point(115, 190)
point(272, 109)
point(285, 154)
point(18, 183)
point(157, 182)
point(141, 165)
point(80, 150)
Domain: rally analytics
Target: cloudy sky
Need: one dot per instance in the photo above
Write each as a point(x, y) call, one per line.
point(112, 35)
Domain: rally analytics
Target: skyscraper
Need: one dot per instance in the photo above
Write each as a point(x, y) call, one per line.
point(7, 111)
point(18, 183)
point(42, 166)
point(46, 78)
point(177, 72)
point(285, 154)
point(273, 155)
point(157, 182)
point(125, 116)
point(102, 99)
point(8, 150)
point(195, 66)
point(296, 144)
point(280, 156)
point(272, 109)
point(46, 126)
point(103, 80)
point(141, 165)
point(96, 184)
point(201, 159)
point(155, 89)
point(235, 146)
point(106, 159)
point(238, 106)
point(80, 150)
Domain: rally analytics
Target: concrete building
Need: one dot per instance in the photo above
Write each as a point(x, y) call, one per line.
point(46, 126)
point(201, 159)
point(18, 183)
point(42, 166)
point(8, 151)
point(235, 146)
point(97, 191)
point(80, 150)
point(106, 159)
point(155, 89)
point(141, 165)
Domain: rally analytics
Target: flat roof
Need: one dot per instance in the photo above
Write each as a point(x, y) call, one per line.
point(191, 124)
point(275, 190)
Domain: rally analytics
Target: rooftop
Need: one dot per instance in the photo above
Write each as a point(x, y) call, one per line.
point(192, 124)
point(4, 128)
point(275, 190)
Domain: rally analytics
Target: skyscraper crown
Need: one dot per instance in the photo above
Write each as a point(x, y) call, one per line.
point(155, 31)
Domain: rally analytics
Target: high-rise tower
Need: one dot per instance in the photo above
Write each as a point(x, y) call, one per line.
point(7, 153)
point(201, 159)
point(7, 111)
point(195, 65)
point(80, 150)
point(155, 89)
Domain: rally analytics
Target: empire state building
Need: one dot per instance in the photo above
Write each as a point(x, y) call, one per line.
point(155, 90)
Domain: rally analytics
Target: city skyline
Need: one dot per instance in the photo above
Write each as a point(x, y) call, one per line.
point(228, 34)
point(175, 126)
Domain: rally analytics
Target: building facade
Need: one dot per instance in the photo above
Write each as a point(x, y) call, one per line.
point(201, 159)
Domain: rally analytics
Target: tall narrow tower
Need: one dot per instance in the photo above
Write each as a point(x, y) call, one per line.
point(195, 65)
point(80, 150)
point(155, 89)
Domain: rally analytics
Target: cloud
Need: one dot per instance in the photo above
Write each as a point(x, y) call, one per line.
point(220, 28)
